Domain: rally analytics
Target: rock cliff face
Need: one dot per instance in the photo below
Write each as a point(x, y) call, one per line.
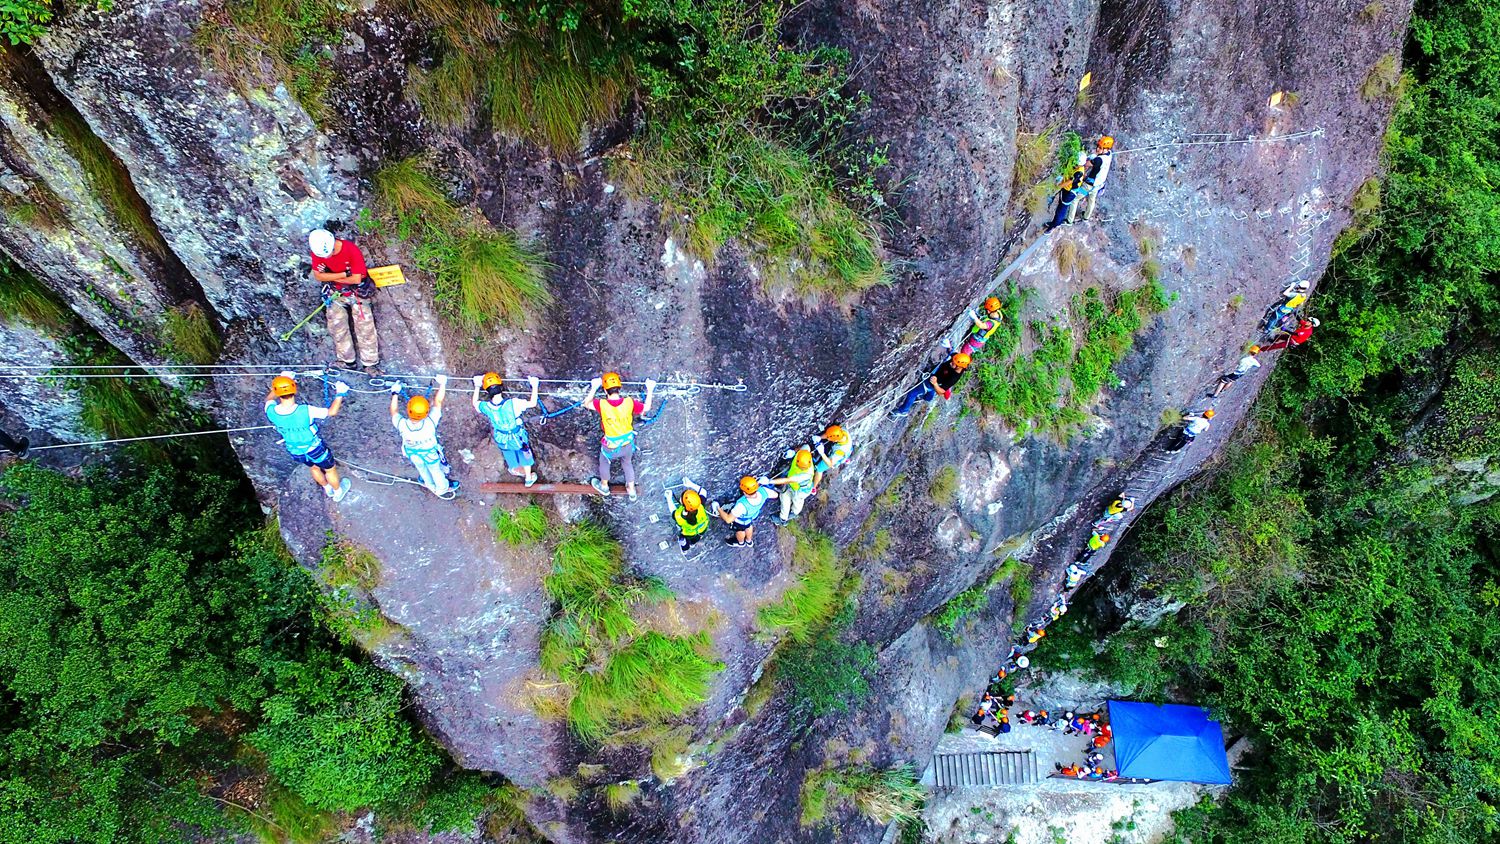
point(1235, 196)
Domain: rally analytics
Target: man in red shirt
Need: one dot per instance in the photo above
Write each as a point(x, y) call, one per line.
point(347, 289)
point(1301, 335)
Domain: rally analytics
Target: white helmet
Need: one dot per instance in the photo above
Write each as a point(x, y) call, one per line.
point(1023, 662)
point(1314, 321)
point(322, 243)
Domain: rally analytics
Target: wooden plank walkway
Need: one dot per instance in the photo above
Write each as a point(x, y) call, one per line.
point(518, 488)
point(988, 769)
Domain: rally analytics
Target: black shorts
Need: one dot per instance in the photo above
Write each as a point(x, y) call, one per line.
point(1232, 376)
point(320, 457)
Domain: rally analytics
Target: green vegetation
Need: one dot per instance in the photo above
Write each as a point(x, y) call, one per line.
point(293, 37)
point(189, 335)
point(155, 640)
point(1344, 594)
point(481, 276)
point(107, 178)
point(976, 598)
point(24, 21)
point(24, 298)
point(611, 674)
point(542, 84)
point(1050, 388)
point(943, 490)
point(826, 674)
point(892, 794)
point(821, 590)
point(619, 795)
point(525, 526)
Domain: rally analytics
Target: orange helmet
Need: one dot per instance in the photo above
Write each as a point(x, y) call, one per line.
point(490, 379)
point(1254, 350)
point(417, 408)
point(1208, 414)
point(803, 459)
point(691, 500)
point(992, 304)
point(283, 386)
point(836, 434)
point(1103, 537)
point(749, 485)
point(1107, 142)
point(610, 381)
point(960, 361)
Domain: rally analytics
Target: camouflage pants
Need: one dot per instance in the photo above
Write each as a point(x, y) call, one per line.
point(344, 311)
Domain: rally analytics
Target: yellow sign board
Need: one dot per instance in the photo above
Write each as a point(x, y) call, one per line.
point(387, 276)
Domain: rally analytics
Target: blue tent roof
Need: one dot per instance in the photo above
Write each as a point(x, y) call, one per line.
point(1168, 742)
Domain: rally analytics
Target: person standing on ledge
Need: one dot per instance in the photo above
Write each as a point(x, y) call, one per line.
point(617, 414)
point(1097, 172)
point(419, 437)
point(506, 429)
point(298, 426)
point(347, 289)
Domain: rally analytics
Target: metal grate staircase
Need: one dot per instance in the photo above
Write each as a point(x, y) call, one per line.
point(993, 768)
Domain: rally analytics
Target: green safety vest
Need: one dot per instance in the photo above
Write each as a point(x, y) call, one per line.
point(800, 479)
point(697, 526)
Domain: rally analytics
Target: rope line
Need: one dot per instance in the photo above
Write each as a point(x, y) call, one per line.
point(153, 437)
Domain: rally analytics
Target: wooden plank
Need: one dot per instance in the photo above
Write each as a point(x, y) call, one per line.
point(518, 488)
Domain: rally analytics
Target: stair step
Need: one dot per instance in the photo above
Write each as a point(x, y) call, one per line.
point(988, 769)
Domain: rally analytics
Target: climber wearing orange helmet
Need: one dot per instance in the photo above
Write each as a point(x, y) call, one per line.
point(419, 438)
point(690, 516)
point(504, 415)
point(1192, 426)
point(1096, 542)
point(1097, 172)
point(798, 483)
point(983, 327)
point(617, 415)
point(1247, 364)
point(298, 426)
point(753, 498)
point(833, 449)
point(942, 380)
point(1070, 189)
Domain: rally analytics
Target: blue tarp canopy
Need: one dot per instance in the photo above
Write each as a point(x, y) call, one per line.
point(1168, 742)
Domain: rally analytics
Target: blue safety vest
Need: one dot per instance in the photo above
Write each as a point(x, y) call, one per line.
point(753, 505)
point(508, 432)
point(297, 428)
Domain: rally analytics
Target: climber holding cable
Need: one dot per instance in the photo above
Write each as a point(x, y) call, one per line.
point(617, 415)
point(419, 439)
point(298, 426)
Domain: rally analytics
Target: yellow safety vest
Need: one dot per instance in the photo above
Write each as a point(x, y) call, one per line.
point(618, 420)
point(1095, 542)
point(699, 525)
point(798, 479)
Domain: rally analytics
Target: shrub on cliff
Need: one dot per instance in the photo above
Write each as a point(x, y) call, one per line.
point(613, 672)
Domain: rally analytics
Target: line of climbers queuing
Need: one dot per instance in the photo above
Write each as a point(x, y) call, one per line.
point(417, 425)
point(1284, 326)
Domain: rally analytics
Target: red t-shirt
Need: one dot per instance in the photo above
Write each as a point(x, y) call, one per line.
point(345, 258)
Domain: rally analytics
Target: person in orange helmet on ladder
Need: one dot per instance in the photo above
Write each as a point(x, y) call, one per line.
point(983, 327)
point(691, 518)
point(942, 380)
point(832, 450)
point(752, 500)
point(798, 484)
point(504, 415)
point(298, 426)
point(617, 414)
point(419, 437)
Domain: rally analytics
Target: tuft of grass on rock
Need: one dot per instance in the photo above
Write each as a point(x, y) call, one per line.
point(189, 335)
point(525, 526)
point(24, 298)
point(808, 607)
point(881, 795)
